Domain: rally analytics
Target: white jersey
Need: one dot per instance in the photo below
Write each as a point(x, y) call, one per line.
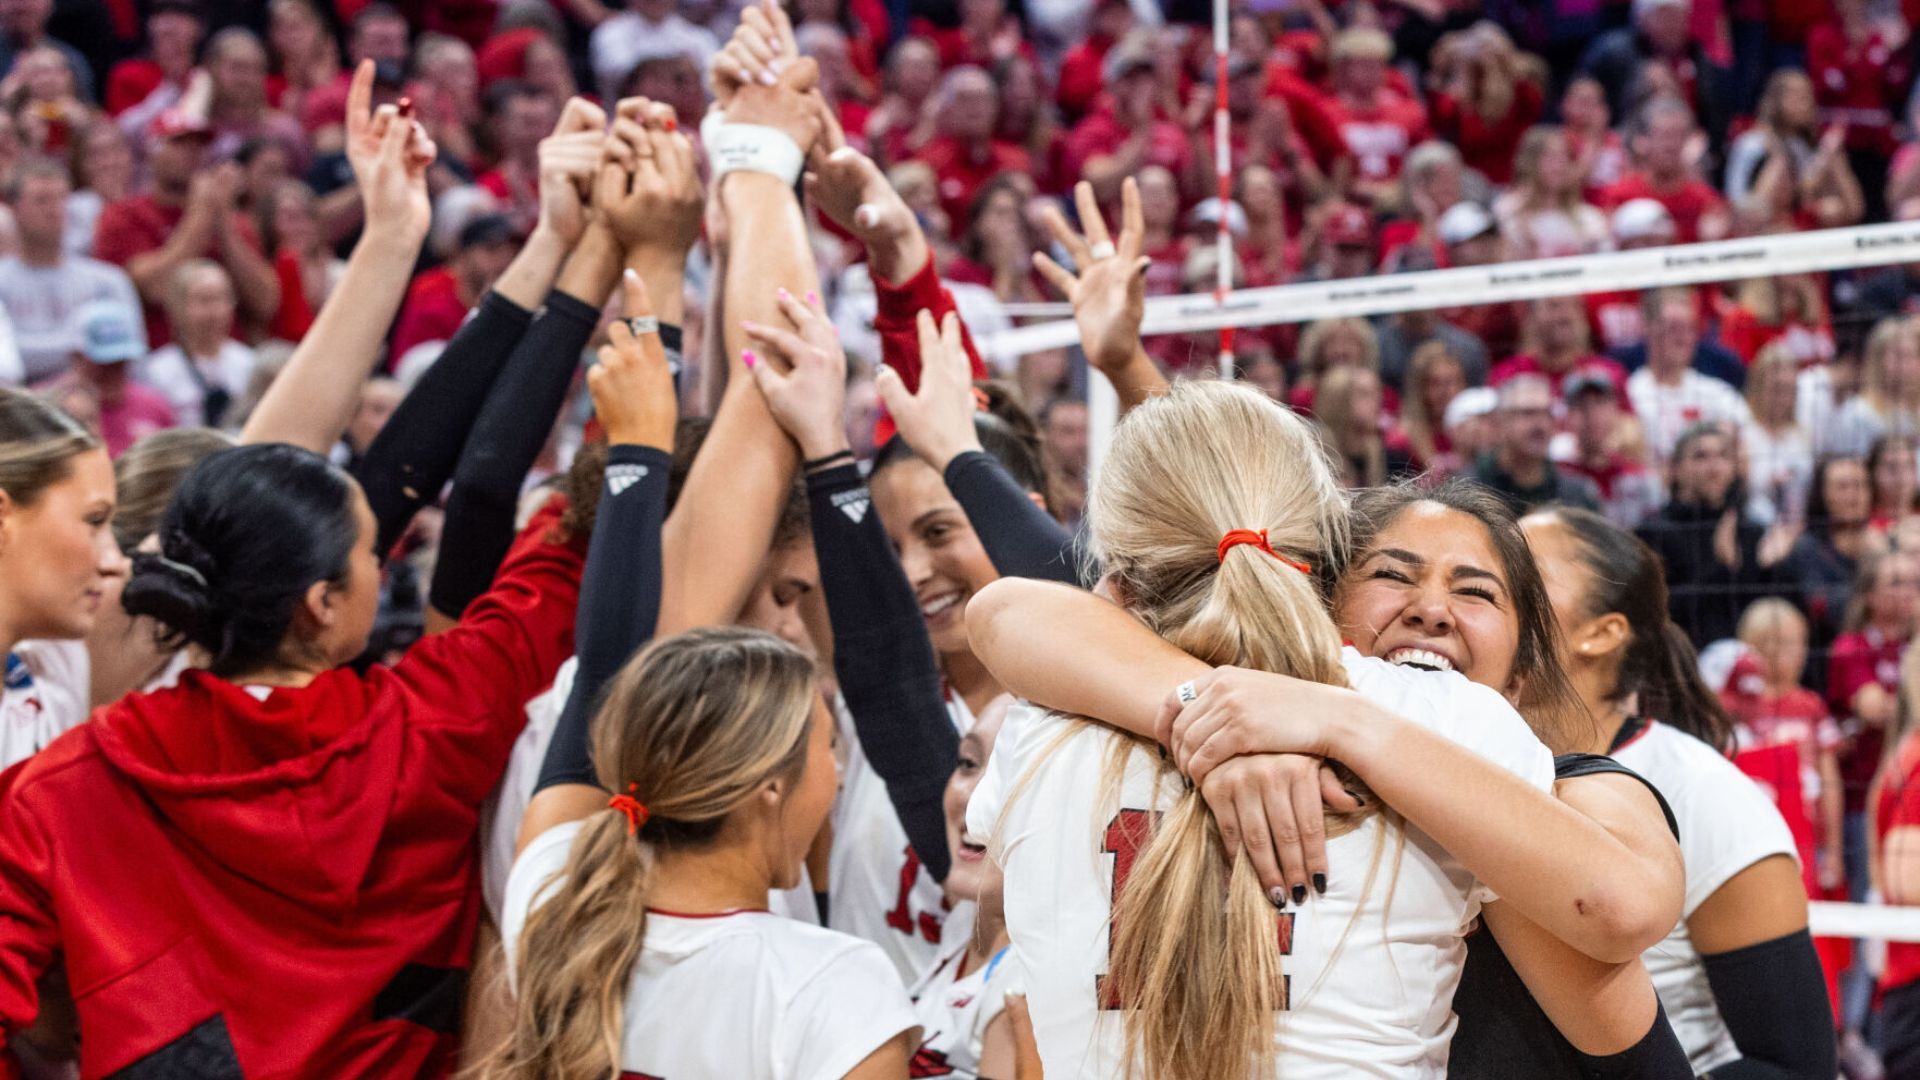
point(955, 1006)
point(747, 995)
point(1366, 997)
point(877, 888)
point(500, 822)
point(48, 691)
point(1726, 825)
point(1666, 412)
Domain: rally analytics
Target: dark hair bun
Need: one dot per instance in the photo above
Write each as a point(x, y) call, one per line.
point(175, 587)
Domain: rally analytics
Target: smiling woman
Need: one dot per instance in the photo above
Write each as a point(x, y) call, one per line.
point(57, 558)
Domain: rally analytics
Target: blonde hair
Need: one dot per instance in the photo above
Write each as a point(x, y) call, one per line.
point(1772, 355)
point(1315, 338)
point(1349, 444)
point(1875, 381)
point(1195, 956)
point(693, 725)
point(38, 442)
point(1764, 616)
point(1414, 421)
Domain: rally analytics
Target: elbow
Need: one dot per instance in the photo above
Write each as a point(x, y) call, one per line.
point(1617, 925)
point(985, 611)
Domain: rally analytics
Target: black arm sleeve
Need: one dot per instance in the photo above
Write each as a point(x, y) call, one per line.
point(884, 659)
point(1020, 538)
point(1773, 998)
point(619, 600)
point(414, 454)
point(513, 426)
point(1657, 1056)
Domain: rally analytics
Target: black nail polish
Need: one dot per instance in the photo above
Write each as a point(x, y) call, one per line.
point(1320, 884)
point(1299, 894)
point(1355, 796)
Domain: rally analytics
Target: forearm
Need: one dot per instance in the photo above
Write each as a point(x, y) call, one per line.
point(1137, 380)
point(1113, 667)
point(1832, 803)
point(1773, 998)
point(1601, 1008)
point(254, 282)
point(1020, 539)
point(896, 259)
point(152, 271)
point(664, 274)
point(1609, 902)
point(531, 274)
point(885, 662)
point(719, 531)
point(314, 396)
point(513, 425)
point(414, 455)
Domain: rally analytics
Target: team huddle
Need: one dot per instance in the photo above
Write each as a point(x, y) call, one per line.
point(1257, 776)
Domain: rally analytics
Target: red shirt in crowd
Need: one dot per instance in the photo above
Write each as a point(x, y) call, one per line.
point(1862, 85)
point(1865, 656)
point(130, 82)
point(1083, 75)
point(1489, 145)
point(1898, 806)
point(138, 224)
point(232, 897)
point(962, 171)
point(432, 311)
point(1378, 135)
point(1688, 202)
point(1530, 365)
point(1102, 134)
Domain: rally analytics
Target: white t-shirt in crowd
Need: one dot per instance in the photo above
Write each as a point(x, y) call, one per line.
point(47, 692)
point(623, 40)
point(1668, 411)
point(955, 1006)
point(40, 301)
point(500, 822)
point(747, 995)
point(1779, 472)
point(877, 888)
point(168, 370)
point(1726, 825)
point(1397, 930)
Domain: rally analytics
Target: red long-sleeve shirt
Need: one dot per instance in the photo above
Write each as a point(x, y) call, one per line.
point(899, 306)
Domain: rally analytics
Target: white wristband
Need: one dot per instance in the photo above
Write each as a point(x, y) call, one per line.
point(750, 148)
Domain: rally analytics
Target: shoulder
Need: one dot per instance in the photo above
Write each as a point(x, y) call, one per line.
point(1475, 716)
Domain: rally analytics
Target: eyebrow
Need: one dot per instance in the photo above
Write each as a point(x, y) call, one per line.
point(1458, 573)
point(934, 513)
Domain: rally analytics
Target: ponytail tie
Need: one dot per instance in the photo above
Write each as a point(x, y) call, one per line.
point(1258, 539)
point(636, 811)
point(981, 402)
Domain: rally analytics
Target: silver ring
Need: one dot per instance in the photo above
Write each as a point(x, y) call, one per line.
point(643, 324)
point(1186, 693)
point(1102, 250)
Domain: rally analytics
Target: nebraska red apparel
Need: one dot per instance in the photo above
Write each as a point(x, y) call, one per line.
point(1856, 659)
point(1378, 135)
point(1688, 201)
point(1370, 967)
point(1897, 807)
point(278, 882)
point(955, 1005)
point(745, 995)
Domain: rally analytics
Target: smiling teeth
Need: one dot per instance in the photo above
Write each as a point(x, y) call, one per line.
point(938, 606)
point(1420, 658)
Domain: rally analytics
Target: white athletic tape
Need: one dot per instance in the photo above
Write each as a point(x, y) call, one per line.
point(1880, 922)
point(1645, 268)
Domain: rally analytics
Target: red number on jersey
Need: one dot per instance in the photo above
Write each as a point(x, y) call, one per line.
point(1126, 834)
point(901, 918)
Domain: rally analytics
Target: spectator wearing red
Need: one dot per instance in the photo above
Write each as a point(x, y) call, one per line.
point(1629, 491)
point(1162, 243)
point(1346, 247)
point(1861, 76)
point(987, 32)
point(1270, 252)
point(529, 55)
point(1662, 173)
point(1599, 153)
point(1028, 120)
point(174, 30)
point(1618, 319)
point(306, 266)
point(1788, 312)
point(903, 120)
point(438, 300)
point(446, 95)
point(1435, 377)
point(864, 23)
point(1486, 105)
point(997, 246)
point(1127, 131)
point(1863, 681)
point(1557, 344)
point(1377, 126)
point(1896, 838)
point(1433, 180)
point(519, 116)
point(964, 154)
point(848, 93)
point(190, 213)
point(1082, 70)
point(379, 34)
point(305, 56)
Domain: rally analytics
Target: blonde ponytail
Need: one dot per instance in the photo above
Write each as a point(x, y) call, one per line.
point(1199, 969)
point(694, 725)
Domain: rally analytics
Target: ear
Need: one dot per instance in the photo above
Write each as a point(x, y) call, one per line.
point(316, 607)
point(1600, 637)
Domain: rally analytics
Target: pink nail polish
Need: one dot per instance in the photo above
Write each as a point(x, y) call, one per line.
point(747, 357)
point(749, 325)
point(785, 295)
point(813, 298)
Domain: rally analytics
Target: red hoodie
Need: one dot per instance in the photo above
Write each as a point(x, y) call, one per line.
point(278, 888)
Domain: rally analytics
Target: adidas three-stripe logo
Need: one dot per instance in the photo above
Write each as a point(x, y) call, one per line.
point(622, 477)
point(854, 504)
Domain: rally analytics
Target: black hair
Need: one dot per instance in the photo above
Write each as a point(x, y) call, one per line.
point(1006, 431)
point(1878, 453)
point(248, 532)
point(1624, 576)
point(1547, 699)
point(1819, 514)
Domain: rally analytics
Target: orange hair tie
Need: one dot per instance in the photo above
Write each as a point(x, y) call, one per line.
point(981, 402)
point(636, 811)
point(1258, 539)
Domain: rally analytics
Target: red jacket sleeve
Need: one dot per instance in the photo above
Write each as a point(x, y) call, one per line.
point(28, 935)
point(1849, 668)
point(505, 649)
point(895, 322)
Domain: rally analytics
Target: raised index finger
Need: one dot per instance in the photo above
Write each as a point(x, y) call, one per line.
point(360, 99)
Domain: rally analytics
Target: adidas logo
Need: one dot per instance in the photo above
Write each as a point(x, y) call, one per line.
point(622, 477)
point(854, 504)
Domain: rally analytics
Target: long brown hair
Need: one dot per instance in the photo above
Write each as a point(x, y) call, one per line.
point(1195, 955)
point(694, 725)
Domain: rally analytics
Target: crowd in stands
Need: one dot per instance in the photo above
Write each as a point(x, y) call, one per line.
point(179, 195)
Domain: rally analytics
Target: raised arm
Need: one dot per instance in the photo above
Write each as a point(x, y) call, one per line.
point(311, 401)
point(882, 653)
point(414, 455)
point(1611, 906)
point(720, 529)
point(1108, 288)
